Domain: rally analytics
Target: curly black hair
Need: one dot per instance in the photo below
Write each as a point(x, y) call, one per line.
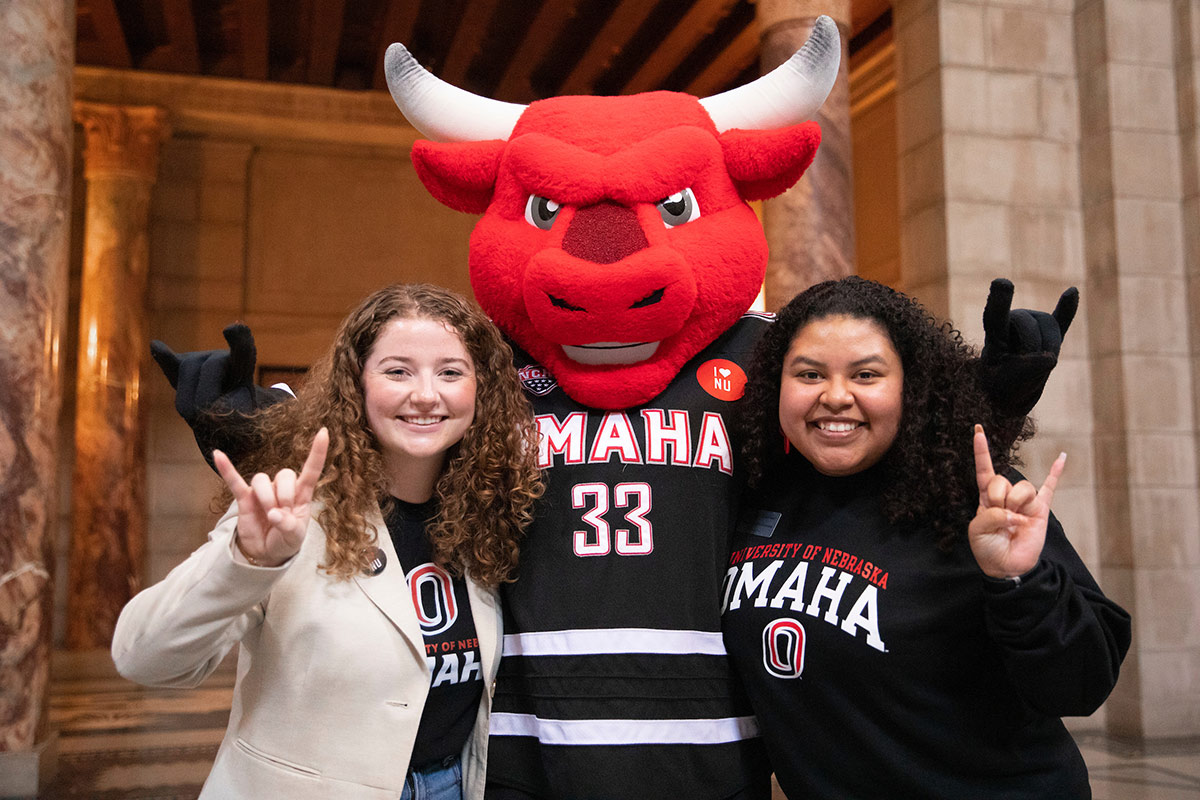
point(929, 471)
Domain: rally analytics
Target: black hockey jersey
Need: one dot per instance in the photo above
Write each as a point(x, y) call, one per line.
point(614, 681)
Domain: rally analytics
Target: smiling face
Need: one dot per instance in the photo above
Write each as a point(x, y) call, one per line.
point(419, 392)
point(840, 393)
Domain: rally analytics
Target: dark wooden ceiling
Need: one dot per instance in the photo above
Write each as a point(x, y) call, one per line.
point(518, 50)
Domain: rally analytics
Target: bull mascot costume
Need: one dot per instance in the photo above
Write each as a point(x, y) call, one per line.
point(618, 254)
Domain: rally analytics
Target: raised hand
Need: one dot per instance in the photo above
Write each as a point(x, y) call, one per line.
point(1020, 347)
point(273, 514)
point(209, 383)
point(1009, 528)
point(202, 378)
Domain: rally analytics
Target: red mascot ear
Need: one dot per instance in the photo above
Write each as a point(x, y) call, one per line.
point(766, 163)
point(460, 174)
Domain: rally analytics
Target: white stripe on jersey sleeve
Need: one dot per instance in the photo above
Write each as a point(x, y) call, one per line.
point(590, 641)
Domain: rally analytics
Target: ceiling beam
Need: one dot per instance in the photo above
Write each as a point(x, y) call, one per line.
point(622, 24)
point(399, 19)
point(254, 29)
point(110, 36)
point(325, 39)
point(468, 38)
point(551, 17)
point(181, 35)
point(697, 23)
point(729, 63)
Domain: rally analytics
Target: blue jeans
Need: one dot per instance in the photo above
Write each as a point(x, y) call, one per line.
point(436, 782)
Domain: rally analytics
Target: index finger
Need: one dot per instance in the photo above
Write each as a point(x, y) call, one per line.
point(313, 465)
point(995, 310)
point(984, 472)
point(228, 472)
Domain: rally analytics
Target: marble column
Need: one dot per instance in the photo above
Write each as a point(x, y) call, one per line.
point(36, 53)
point(810, 228)
point(108, 513)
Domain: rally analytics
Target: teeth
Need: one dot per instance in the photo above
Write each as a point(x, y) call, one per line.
point(837, 427)
point(422, 420)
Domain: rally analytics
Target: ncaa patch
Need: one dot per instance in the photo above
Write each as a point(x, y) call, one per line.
point(536, 379)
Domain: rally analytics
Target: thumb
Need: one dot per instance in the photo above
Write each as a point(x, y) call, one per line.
point(1064, 312)
point(167, 361)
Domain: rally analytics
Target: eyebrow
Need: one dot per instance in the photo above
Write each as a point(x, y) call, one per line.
point(404, 359)
point(871, 359)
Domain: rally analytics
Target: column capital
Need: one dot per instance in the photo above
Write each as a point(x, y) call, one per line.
point(121, 140)
point(772, 12)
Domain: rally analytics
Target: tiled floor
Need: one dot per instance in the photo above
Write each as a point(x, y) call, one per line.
point(118, 740)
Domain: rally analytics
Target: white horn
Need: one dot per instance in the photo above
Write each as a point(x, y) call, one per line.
point(790, 93)
point(441, 111)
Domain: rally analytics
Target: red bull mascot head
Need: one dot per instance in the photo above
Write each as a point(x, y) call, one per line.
point(616, 242)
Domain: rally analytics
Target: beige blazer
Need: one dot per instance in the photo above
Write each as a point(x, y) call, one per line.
point(331, 675)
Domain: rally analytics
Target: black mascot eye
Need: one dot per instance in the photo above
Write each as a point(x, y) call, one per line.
point(679, 208)
point(540, 212)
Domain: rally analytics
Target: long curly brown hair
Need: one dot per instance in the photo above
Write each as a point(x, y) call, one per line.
point(929, 470)
point(491, 480)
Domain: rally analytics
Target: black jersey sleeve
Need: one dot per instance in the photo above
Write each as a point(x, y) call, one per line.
point(1061, 639)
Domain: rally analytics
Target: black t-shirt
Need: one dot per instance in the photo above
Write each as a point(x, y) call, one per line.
point(451, 647)
point(881, 666)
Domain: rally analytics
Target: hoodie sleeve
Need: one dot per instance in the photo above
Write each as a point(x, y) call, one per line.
point(1062, 640)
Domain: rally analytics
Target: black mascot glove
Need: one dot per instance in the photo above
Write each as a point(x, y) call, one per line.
point(215, 392)
point(1020, 348)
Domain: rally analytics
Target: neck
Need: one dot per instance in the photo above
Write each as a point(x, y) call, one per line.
point(412, 479)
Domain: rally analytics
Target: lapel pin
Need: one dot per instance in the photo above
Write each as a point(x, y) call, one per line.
point(378, 561)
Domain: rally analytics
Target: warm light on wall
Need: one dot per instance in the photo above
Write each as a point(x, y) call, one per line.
point(92, 345)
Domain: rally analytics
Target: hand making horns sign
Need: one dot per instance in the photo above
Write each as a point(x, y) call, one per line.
point(273, 514)
point(1009, 527)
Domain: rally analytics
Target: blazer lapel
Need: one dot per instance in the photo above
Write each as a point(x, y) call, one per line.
point(486, 614)
point(389, 590)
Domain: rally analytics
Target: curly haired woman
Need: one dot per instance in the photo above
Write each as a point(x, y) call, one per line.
point(361, 590)
point(907, 622)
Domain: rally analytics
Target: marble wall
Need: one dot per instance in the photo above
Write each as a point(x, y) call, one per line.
point(36, 51)
point(810, 227)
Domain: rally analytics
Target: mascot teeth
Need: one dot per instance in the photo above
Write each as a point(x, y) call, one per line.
point(610, 352)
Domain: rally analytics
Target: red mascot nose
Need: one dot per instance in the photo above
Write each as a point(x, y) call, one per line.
point(604, 233)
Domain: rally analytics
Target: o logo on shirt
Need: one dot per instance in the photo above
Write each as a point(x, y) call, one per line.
point(783, 648)
point(433, 598)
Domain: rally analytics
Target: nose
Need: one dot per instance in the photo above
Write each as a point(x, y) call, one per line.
point(837, 394)
point(425, 393)
point(604, 233)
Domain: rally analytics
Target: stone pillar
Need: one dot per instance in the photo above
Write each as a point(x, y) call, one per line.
point(37, 39)
point(1137, 65)
point(108, 513)
point(810, 228)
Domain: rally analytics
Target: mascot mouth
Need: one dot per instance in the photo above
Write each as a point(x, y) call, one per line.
point(610, 352)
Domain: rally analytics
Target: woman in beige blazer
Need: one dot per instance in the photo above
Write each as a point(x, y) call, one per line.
point(361, 590)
